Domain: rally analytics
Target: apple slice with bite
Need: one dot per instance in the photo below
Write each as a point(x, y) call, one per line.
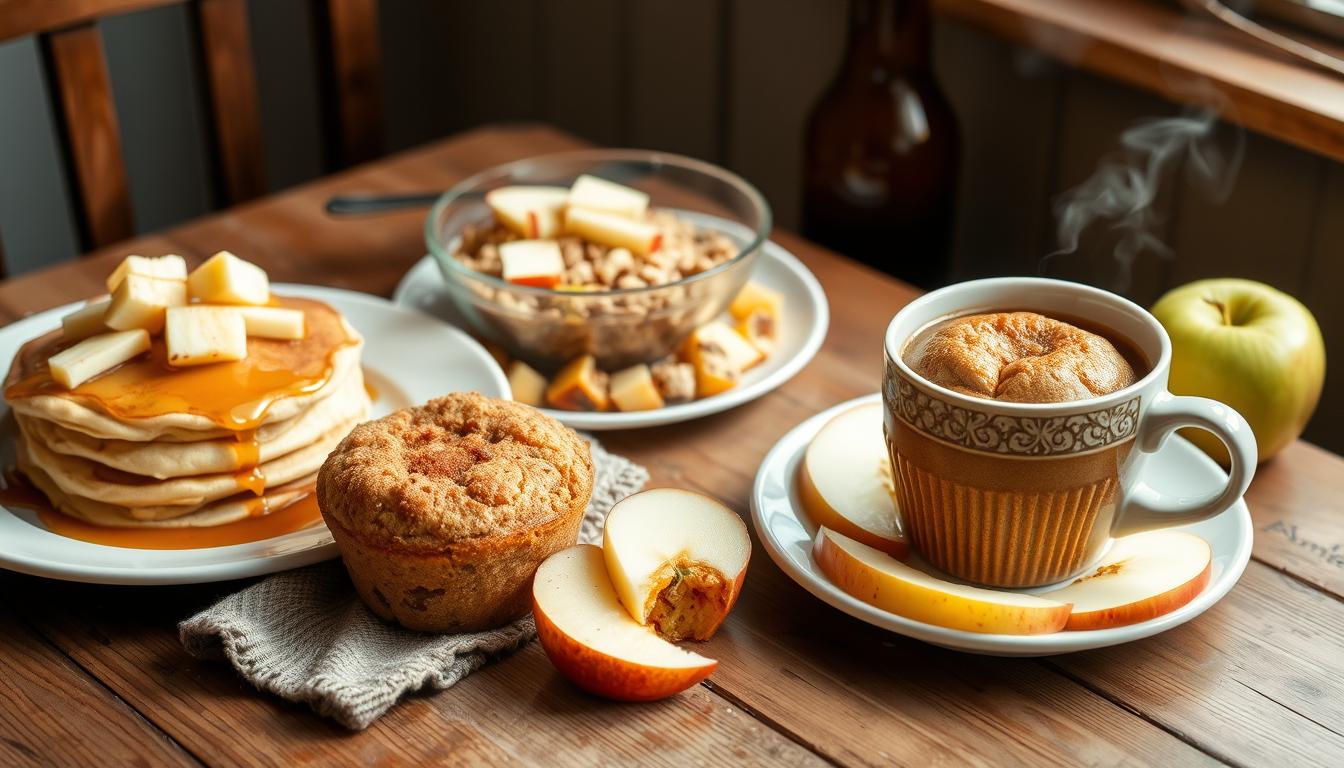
point(880, 580)
point(845, 480)
point(594, 642)
point(533, 212)
point(677, 560)
point(1142, 577)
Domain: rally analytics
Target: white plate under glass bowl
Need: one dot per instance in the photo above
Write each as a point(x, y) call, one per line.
point(1180, 469)
point(408, 358)
point(801, 333)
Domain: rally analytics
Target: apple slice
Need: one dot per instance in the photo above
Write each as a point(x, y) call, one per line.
point(598, 194)
point(755, 297)
point(86, 321)
point(537, 263)
point(75, 365)
point(591, 639)
point(170, 267)
point(533, 212)
point(527, 384)
point(616, 231)
point(880, 580)
point(227, 279)
point(845, 480)
point(579, 386)
point(633, 389)
point(140, 302)
point(1142, 577)
point(677, 560)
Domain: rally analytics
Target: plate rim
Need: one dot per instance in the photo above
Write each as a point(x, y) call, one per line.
point(142, 574)
point(696, 409)
point(791, 445)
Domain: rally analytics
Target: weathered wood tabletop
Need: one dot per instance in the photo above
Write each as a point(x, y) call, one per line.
point(95, 675)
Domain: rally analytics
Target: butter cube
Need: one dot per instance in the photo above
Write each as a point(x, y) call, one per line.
point(200, 335)
point(273, 322)
point(168, 267)
point(85, 321)
point(227, 279)
point(633, 389)
point(139, 302)
point(75, 365)
point(528, 386)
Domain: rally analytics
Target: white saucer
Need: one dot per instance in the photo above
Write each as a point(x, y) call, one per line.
point(1182, 469)
point(408, 357)
point(801, 335)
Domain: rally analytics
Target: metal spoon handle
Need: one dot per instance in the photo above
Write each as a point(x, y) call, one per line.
point(345, 205)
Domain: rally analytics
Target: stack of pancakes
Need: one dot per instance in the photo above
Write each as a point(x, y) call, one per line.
point(147, 445)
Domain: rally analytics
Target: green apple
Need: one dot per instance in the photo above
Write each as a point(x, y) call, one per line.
point(1250, 346)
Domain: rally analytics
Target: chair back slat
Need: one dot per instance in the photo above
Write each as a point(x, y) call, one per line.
point(356, 76)
point(227, 52)
point(82, 96)
point(21, 18)
point(92, 137)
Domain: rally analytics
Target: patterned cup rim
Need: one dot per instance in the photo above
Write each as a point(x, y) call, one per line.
point(1036, 294)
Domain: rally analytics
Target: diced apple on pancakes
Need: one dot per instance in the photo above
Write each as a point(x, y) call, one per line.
point(185, 398)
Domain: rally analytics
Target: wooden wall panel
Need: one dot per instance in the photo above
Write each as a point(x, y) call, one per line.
point(1263, 230)
point(1325, 281)
point(36, 225)
point(676, 87)
point(1095, 112)
point(1007, 102)
point(779, 63)
point(161, 107)
point(284, 48)
point(584, 68)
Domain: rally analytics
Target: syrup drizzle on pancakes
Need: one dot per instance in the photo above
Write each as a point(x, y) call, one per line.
point(235, 396)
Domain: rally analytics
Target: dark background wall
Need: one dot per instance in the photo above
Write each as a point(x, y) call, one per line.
point(725, 80)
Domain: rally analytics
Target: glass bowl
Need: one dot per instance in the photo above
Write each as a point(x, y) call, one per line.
point(547, 328)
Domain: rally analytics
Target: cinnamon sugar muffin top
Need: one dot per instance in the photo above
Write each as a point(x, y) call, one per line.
point(460, 467)
point(1021, 357)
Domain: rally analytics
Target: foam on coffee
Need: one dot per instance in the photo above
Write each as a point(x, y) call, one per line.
point(1023, 357)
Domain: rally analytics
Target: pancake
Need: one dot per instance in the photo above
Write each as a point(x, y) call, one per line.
point(148, 445)
point(146, 500)
point(161, 460)
point(1022, 357)
point(222, 512)
point(146, 400)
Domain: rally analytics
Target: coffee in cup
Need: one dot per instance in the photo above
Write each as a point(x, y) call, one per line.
point(1019, 414)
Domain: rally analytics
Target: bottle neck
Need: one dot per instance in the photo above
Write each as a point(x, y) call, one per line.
point(887, 36)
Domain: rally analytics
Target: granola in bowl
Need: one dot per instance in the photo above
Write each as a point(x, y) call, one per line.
point(563, 262)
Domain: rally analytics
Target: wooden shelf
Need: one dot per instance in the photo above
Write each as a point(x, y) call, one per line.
point(1160, 49)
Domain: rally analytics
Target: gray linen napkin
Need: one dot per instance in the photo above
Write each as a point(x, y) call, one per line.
point(305, 636)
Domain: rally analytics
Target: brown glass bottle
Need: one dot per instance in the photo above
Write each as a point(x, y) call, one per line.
point(882, 148)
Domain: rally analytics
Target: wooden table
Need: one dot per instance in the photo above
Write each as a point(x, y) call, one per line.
point(95, 675)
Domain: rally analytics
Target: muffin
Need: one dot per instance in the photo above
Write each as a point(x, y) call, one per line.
point(443, 512)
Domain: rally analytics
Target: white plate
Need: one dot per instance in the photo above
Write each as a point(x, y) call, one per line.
point(801, 335)
point(1181, 469)
point(409, 357)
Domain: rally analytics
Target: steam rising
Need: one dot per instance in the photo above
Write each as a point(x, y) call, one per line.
point(1120, 194)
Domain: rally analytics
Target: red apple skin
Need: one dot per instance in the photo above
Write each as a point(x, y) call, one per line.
point(548, 281)
point(1142, 610)
point(608, 676)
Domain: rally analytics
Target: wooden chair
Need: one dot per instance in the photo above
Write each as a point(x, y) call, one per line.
point(77, 71)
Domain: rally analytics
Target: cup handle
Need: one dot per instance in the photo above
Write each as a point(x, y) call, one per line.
point(1142, 507)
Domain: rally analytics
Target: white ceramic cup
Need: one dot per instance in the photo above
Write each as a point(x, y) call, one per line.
point(1023, 494)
